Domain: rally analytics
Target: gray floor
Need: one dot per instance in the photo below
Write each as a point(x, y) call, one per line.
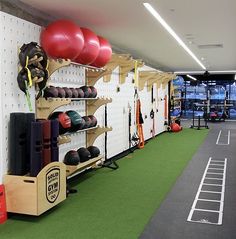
point(170, 221)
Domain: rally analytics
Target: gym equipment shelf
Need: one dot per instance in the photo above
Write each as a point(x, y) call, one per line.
point(35, 195)
point(70, 170)
point(64, 139)
point(124, 61)
point(152, 77)
point(44, 107)
point(55, 64)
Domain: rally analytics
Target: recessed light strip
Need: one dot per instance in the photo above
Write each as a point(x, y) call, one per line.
point(191, 77)
point(149, 7)
point(202, 72)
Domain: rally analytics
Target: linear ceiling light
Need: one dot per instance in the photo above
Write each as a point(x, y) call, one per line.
point(191, 77)
point(202, 72)
point(155, 14)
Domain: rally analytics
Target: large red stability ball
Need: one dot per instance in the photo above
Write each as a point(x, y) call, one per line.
point(91, 47)
point(104, 54)
point(62, 39)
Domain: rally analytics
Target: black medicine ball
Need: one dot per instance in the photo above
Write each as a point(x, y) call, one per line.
point(68, 92)
point(71, 158)
point(87, 91)
point(88, 122)
point(80, 93)
point(51, 92)
point(61, 92)
point(93, 92)
point(93, 120)
point(84, 154)
point(75, 93)
point(94, 151)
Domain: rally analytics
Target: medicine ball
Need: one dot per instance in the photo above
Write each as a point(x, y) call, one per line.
point(93, 120)
point(51, 92)
point(94, 151)
point(75, 93)
point(80, 93)
point(76, 120)
point(71, 158)
point(87, 91)
point(88, 122)
point(61, 92)
point(64, 121)
point(68, 92)
point(93, 92)
point(62, 39)
point(84, 154)
point(81, 125)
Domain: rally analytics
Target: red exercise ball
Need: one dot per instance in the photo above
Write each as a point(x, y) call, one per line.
point(175, 127)
point(104, 54)
point(91, 47)
point(62, 39)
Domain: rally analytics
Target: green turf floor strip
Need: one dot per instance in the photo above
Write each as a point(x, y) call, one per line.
point(114, 204)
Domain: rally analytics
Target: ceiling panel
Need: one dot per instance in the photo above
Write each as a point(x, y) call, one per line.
point(128, 26)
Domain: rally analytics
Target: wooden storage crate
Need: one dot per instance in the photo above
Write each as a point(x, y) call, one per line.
point(35, 195)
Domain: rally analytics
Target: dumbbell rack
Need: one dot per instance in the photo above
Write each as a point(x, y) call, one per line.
point(44, 107)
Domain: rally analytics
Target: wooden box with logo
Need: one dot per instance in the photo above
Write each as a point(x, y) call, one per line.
point(35, 195)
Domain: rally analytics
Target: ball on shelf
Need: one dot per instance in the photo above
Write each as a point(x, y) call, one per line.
point(51, 92)
point(61, 92)
point(93, 120)
point(76, 120)
point(104, 54)
point(75, 93)
point(84, 154)
point(87, 91)
point(80, 93)
point(88, 122)
point(68, 92)
point(64, 121)
point(71, 158)
point(62, 39)
point(91, 47)
point(94, 151)
point(93, 92)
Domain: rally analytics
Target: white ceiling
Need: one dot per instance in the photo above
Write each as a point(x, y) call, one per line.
point(128, 25)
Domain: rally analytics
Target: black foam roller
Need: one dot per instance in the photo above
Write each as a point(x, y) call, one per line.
point(30, 117)
point(36, 148)
point(18, 143)
point(54, 141)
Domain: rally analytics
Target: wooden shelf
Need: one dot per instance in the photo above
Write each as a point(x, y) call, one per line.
point(44, 107)
point(55, 64)
point(70, 170)
point(66, 138)
point(150, 78)
point(125, 63)
point(35, 195)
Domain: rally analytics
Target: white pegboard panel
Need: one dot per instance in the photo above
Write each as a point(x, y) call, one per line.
point(14, 33)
